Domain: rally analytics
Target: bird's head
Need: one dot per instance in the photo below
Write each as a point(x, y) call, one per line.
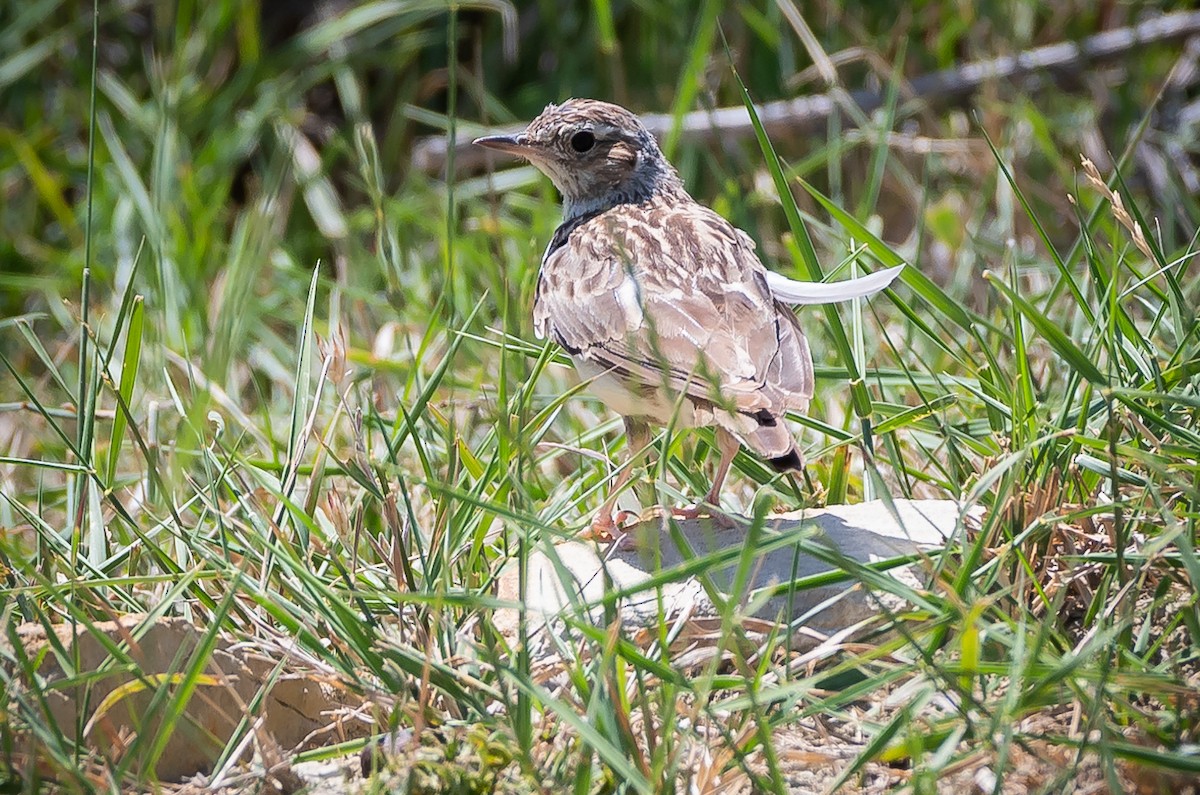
point(597, 154)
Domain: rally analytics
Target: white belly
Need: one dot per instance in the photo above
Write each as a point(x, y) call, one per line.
point(658, 406)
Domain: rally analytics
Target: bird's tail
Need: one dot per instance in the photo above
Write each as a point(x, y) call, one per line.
point(770, 439)
point(792, 461)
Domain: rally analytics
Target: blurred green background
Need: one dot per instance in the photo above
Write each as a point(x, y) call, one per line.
point(197, 102)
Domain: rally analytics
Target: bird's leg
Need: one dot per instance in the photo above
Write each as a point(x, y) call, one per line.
point(728, 446)
point(637, 437)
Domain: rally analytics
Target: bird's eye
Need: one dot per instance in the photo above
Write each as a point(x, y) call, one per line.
point(582, 141)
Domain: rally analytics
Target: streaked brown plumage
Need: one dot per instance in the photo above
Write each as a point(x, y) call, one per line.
point(661, 302)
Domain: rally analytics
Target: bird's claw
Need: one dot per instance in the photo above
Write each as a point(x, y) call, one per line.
point(690, 512)
point(607, 528)
point(700, 510)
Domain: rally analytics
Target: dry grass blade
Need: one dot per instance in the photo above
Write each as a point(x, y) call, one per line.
point(1118, 206)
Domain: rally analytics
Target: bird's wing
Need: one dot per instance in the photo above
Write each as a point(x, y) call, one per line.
point(797, 293)
point(674, 297)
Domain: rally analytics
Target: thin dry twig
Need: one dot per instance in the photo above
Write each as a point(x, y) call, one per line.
point(805, 114)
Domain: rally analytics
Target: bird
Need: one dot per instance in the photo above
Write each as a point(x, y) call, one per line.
point(662, 304)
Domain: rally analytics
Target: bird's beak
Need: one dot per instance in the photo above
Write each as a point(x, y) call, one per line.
point(512, 144)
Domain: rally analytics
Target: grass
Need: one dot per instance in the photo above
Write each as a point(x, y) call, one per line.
point(260, 374)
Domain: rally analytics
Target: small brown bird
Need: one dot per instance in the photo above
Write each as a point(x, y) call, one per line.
point(661, 303)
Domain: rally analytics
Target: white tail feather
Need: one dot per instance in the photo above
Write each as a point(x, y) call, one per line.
point(796, 293)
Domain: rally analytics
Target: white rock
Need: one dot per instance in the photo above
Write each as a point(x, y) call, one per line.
point(571, 579)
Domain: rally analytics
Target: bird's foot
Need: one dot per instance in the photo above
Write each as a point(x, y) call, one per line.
point(607, 528)
point(702, 509)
